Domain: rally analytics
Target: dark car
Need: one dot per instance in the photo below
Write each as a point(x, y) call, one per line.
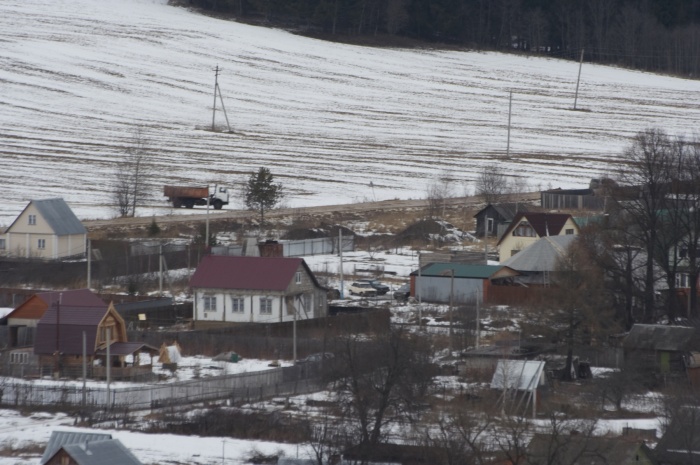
point(403, 292)
point(379, 287)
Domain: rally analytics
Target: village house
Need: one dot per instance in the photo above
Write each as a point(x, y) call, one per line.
point(46, 229)
point(232, 289)
point(496, 217)
point(458, 282)
point(66, 332)
point(526, 228)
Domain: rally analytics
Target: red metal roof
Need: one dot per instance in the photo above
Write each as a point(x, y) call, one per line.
point(72, 321)
point(250, 273)
point(34, 307)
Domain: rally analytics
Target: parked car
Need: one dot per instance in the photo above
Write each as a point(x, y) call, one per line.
point(362, 288)
point(379, 287)
point(317, 357)
point(403, 292)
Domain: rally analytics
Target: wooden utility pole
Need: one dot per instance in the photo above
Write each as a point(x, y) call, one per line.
point(580, 65)
point(510, 108)
point(452, 290)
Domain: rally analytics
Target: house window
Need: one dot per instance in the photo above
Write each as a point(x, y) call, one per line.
point(570, 232)
point(524, 229)
point(682, 281)
point(237, 305)
point(265, 306)
point(41, 244)
point(32, 219)
point(682, 253)
point(19, 358)
point(298, 277)
point(209, 303)
point(2, 244)
point(489, 225)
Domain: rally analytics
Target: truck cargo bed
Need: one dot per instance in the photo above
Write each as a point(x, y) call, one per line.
point(185, 191)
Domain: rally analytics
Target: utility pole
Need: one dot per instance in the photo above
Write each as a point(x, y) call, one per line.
point(84, 371)
point(419, 283)
point(294, 336)
point(217, 89)
point(478, 328)
point(160, 270)
point(510, 107)
point(580, 65)
point(89, 264)
point(206, 233)
point(452, 289)
point(109, 364)
point(216, 86)
point(340, 253)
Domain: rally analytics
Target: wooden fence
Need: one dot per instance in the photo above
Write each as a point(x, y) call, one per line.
point(243, 387)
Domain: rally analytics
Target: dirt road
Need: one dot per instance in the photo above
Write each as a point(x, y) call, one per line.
point(366, 207)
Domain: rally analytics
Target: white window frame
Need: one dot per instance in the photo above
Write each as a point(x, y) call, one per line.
point(266, 305)
point(41, 244)
point(19, 358)
point(31, 220)
point(3, 244)
point(209, 303)
point(489, 225)
point(237, 305)
point(298, 277)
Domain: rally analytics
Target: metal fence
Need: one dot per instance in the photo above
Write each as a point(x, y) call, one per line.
point(243, 387)
point(319, 246)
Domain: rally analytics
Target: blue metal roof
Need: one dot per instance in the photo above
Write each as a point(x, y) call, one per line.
point(60, 438)
point(59, 216)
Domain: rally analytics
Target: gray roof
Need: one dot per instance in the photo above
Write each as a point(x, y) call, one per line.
point(60, 438)
point(542, 255)
point(660, 337)
point(509, 210)
point(59, 216)
point(109, 452)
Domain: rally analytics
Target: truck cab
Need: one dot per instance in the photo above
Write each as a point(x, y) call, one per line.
point(219, 197)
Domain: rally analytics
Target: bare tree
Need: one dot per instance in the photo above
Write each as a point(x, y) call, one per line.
point(492, 184)
point(133, 171)
point(381, 380)
point(437, 194)
point(641, 199)
point(578, 311)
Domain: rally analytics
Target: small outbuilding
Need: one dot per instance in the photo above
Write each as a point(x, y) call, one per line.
point(459, 283)
point(661, 349)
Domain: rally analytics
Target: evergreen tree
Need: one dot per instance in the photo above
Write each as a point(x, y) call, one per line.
point(261, 193)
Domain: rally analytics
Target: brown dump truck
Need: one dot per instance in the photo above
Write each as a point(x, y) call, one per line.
point(189, 196)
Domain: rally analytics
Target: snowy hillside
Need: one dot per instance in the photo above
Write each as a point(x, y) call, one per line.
point(76, 78)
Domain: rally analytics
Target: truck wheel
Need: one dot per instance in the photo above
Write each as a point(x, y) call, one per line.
point(189, 203)
point(218, 204)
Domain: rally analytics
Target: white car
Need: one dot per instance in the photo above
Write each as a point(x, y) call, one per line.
point(363, 289)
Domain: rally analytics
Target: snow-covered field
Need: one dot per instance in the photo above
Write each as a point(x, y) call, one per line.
point(77, 77)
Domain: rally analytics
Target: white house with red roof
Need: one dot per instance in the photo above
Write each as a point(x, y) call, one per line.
point(231, 289)
point(527, 228)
